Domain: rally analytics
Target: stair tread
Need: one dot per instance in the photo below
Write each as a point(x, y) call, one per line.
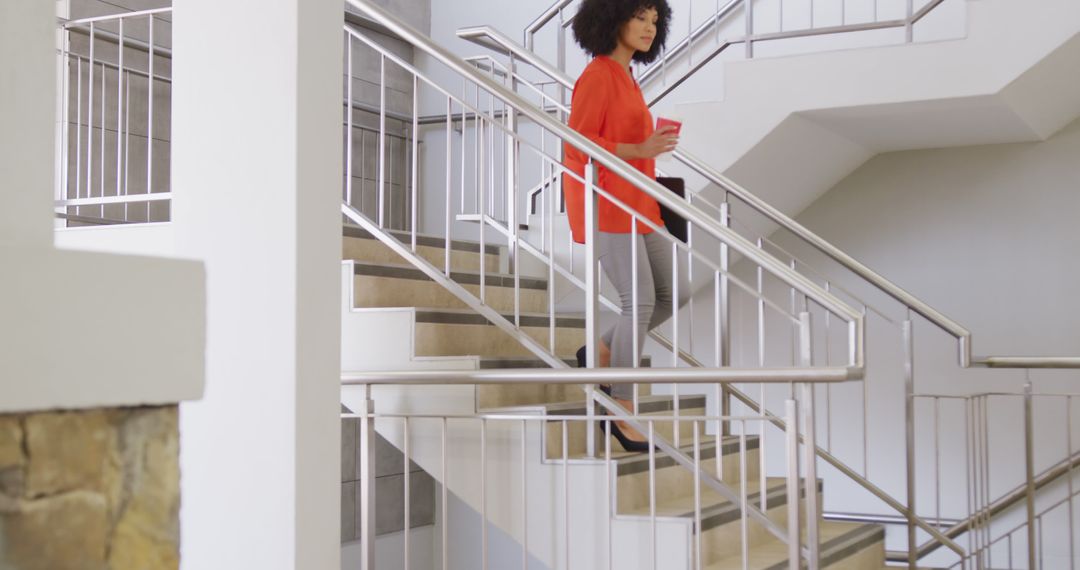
point(512, 362)
point(838, 540)
point(717, 510)
point(631, 462)
point(470, 317)
point(712, 502)
point(406, 271)
point(652, 404)
point(354, 231)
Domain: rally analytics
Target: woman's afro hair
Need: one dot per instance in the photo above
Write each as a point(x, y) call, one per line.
point(598, 22)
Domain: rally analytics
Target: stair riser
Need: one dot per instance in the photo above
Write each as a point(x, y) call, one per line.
point(503, 396)
point(373, 251)
point(372, 291)
point(676, 481)
point(437, 339)
point(577, 442)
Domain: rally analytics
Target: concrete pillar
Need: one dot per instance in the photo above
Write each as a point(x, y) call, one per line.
point(27, 121)
point(256, 176)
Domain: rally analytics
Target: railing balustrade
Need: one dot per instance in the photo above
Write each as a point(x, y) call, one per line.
point(115, 85)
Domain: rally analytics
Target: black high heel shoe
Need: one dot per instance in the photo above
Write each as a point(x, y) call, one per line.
point(631, 445)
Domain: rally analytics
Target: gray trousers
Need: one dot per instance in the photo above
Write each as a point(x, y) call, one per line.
point(654, 292)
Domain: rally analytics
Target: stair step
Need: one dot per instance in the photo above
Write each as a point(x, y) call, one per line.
point(469, 317)
point(659, 405)
point(716, 510)
point(455, 332)
point(359, 245)
point(404, 271)
point(721, 521)
point(843, 545)
point(354, 231)
point(400, 285)
point(515, 363)
point(676, 483)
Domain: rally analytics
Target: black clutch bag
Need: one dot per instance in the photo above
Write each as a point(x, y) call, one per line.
point(676, 224)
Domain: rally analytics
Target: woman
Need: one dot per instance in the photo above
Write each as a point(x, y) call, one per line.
point(609, 109)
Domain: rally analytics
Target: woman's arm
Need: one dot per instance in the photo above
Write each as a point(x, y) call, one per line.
point(592, 96)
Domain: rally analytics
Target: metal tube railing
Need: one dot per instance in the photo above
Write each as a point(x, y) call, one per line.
point(614, 164)
point(963, 336)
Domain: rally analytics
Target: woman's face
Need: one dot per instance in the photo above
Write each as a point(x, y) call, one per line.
point(639, 31)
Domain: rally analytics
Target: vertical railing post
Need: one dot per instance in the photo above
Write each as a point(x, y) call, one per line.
point(748, 8)
point(592, 296)
point(909, 27)
point(794, 536)
point(813, 511)
point(725, 316)
point(1029, 464)
point(909, 422)
point(367, 482)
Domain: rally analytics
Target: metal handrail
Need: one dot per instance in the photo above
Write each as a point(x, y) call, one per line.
point(824, 375)
point(905, 298)
point(544, 18)
point(627, 172)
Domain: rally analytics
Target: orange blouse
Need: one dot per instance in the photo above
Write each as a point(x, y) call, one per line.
point(608, 108)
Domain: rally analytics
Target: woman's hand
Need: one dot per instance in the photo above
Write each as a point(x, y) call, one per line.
point(662, 140)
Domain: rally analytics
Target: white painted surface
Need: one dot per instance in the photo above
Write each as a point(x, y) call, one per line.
point(389, 551)
point(821, 115)
point(259, 203)
point(87, 330)
point(28, 113)
point(136, 239)
point(983, 234)
point(81, 330)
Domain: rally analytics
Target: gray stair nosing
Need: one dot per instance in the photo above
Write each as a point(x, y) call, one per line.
point(424, 240)
point(635, 464)
point(463, 277)
point(454, 317)
point(834, 550)
point(724, 513)
point(646, 405)
point(720, 514)
point(493, 363)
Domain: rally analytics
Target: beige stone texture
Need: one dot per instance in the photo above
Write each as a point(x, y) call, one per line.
point(12, 457)
point(65, 532)
point(102, 490)
point(66, 451)
point(147, 518)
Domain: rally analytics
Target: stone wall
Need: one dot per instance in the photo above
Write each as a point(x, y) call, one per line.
point(93, 490)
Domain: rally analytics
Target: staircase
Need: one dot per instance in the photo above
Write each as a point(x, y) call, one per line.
point(445, 331)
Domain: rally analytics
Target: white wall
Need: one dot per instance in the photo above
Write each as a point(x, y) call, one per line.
point(26, 161)
point(984, 234)
point(259, 201)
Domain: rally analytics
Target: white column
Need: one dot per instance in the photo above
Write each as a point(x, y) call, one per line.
point(256, 170)
point(27, 115)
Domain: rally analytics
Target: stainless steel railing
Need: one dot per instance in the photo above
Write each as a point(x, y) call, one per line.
point(112, 160)
point(545, 446)
point(909, 303)
point(1010, 527)
point(703, 42)
point(476, 173)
